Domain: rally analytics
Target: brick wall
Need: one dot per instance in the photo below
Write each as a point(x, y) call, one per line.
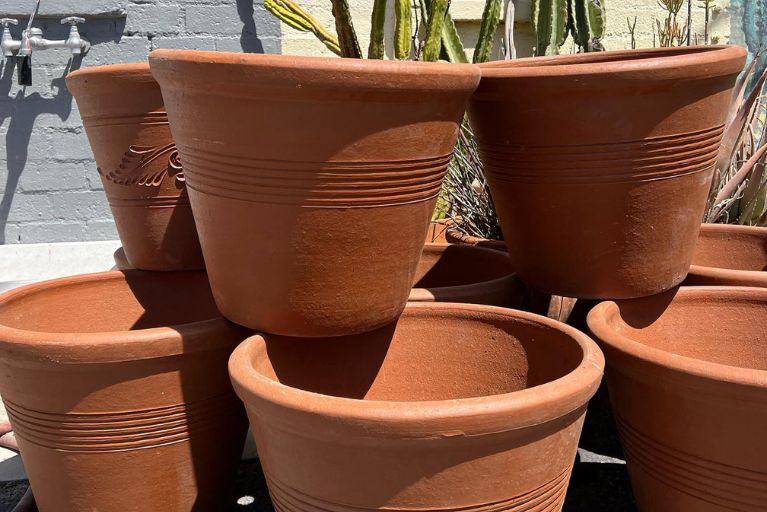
point(49, 188)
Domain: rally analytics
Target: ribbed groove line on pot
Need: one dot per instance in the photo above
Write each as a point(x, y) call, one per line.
point(144, 119)
point(109, 432)
point(546, 498)
point(314, 183)
point(706, 480)
point(150, 202)
point(644, 160)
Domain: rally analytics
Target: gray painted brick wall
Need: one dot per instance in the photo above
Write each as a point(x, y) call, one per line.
point(49, 188)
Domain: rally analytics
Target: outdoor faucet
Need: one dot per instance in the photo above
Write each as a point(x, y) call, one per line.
point(32, 39)
point(7, 44)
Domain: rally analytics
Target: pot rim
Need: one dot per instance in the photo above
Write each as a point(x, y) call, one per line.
point(757, 277)
point(598, 323)
point(426, 294)
point(106, 346)
point(323, 71)
point(131, 72)
point(666, 63)
point(436, 418)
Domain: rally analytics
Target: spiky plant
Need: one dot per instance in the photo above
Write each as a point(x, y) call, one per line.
point(739, 191)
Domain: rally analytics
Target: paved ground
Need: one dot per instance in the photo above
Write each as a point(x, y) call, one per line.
point(599, 484)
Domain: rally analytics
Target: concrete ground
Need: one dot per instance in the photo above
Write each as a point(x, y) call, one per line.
point(599, 482)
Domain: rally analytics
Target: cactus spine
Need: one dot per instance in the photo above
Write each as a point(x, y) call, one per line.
point(490, 19)
point(294, 16)
point(403, 30)
point(376, 48)
point(345, 29)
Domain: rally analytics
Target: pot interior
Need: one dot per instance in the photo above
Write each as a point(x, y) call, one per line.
point(443, 265)
point(620, 56)
point(735, 250)
point(715, 327)
point(115, 301)
point(429, 354)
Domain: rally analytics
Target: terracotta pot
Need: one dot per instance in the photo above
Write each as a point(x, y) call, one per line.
point(687, 375)
point(729, 255)
point(600, 163)
point(456, 407)
point(126, 123)
point(312, 180)
point(457, 273)
point(117, 390)
point(454, 235)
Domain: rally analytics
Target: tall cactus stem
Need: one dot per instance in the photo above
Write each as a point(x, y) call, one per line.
point(433, 43)
point(580, 27)
point(490, 19)
point(345, 29)
point(376, 48)
point(550, 24)
point(403, 29)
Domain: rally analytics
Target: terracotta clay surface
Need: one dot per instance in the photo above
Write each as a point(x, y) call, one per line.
point(126, 123)
point(614, 153)
point(687, 374)
point(312, 180)
point(455, 407)
point(117, 390)
point(729, 255)
point(456, 236)
point(460, 273)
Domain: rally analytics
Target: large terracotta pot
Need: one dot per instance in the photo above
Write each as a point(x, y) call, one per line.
point(600, 164)
point(729, 256)
point(456, 407)
point(458, 273)
point(126, 123)
point(687, 375)
point(312, 180)
point(117, 391)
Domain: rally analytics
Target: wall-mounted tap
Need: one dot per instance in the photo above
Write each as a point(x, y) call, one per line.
point(7, 44)
point(32, 39)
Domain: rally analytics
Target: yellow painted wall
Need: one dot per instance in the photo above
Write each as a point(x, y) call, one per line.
point(467, 13)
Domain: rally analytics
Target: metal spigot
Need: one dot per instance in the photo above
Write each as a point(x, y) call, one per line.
point(7, 44)
point(76, 44)
point(32, 39)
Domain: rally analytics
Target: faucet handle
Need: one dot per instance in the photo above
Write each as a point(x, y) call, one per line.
point(72, 20)
point(8, 21)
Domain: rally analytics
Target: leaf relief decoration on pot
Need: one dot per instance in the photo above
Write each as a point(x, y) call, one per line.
point(136, 166)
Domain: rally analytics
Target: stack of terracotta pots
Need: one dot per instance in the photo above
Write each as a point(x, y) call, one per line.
point(377, 372)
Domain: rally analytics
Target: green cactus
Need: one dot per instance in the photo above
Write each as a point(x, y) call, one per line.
point(433, 43)
point(293, 15)
point(345, 29)
point(553, 20)
point(490, 19)
point(550, 25)
point(376, 49)
point(451, 42)
point(597, 18)
point(403, 30)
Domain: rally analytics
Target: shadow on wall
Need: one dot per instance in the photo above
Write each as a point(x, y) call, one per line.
point(23, 109)
point(249, 36)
